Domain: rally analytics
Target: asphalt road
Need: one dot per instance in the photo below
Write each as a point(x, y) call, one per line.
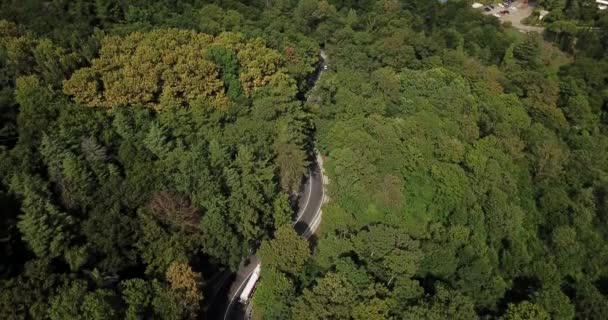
point(306, 221)
point(310, 203)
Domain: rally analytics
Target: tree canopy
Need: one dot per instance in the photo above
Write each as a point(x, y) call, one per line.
point(147, 147)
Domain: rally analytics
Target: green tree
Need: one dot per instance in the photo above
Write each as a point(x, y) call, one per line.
point(527, 53)
point(445, 304)
point(100, 304)
point(287, 252)
point(387, 251)
point(525, 310)
point(332, 297)
point(47, 230)
point(137, 294)
point(74, 301)
point(273, 295)
point(556, 303)
point(282, 211)
point(291, 156)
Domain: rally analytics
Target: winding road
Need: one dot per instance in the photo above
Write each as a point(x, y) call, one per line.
point(306, 222)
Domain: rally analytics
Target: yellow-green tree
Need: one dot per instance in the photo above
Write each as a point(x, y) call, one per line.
point(184, 284)
point(166, 67)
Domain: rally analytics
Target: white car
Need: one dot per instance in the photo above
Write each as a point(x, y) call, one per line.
point(497, 15)
point(324, 67)
point(501, 5)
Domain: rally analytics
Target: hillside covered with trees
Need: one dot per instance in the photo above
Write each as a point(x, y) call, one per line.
point(147, 146)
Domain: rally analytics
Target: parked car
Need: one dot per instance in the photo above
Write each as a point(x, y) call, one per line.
point(487, 9)
point(505, 12)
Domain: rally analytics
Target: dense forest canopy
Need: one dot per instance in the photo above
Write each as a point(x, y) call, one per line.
point(147, 146)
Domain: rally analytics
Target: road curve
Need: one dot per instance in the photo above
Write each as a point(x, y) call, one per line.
point(309, 215)
point(307, 220)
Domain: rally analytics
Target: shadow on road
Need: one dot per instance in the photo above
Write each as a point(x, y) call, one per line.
point(214, 309)
point(301, 227)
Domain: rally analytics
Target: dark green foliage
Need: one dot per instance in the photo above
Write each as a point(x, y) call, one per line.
point(467, 163)
point(74, 302)
point(105, 201)
point(229, 70)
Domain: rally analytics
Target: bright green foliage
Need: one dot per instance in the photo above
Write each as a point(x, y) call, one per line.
point(525, 310)
point(467, 162)
point(229, 70)
point(459, 156)
point(286, 253)
point(331, 298)
point(282, 211)
point(273, 295)
point(282, 260)
point(46, 230)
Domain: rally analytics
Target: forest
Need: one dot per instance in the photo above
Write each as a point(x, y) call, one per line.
point(147, 146)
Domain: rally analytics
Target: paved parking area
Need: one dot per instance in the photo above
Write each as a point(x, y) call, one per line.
point(517, 12)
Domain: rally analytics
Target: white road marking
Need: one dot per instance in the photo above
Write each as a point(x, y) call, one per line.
point(309, 231)
point(310, 180)
point(305, 206)
point(307, 199)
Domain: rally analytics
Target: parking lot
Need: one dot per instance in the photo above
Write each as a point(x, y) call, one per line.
point(513, 12)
